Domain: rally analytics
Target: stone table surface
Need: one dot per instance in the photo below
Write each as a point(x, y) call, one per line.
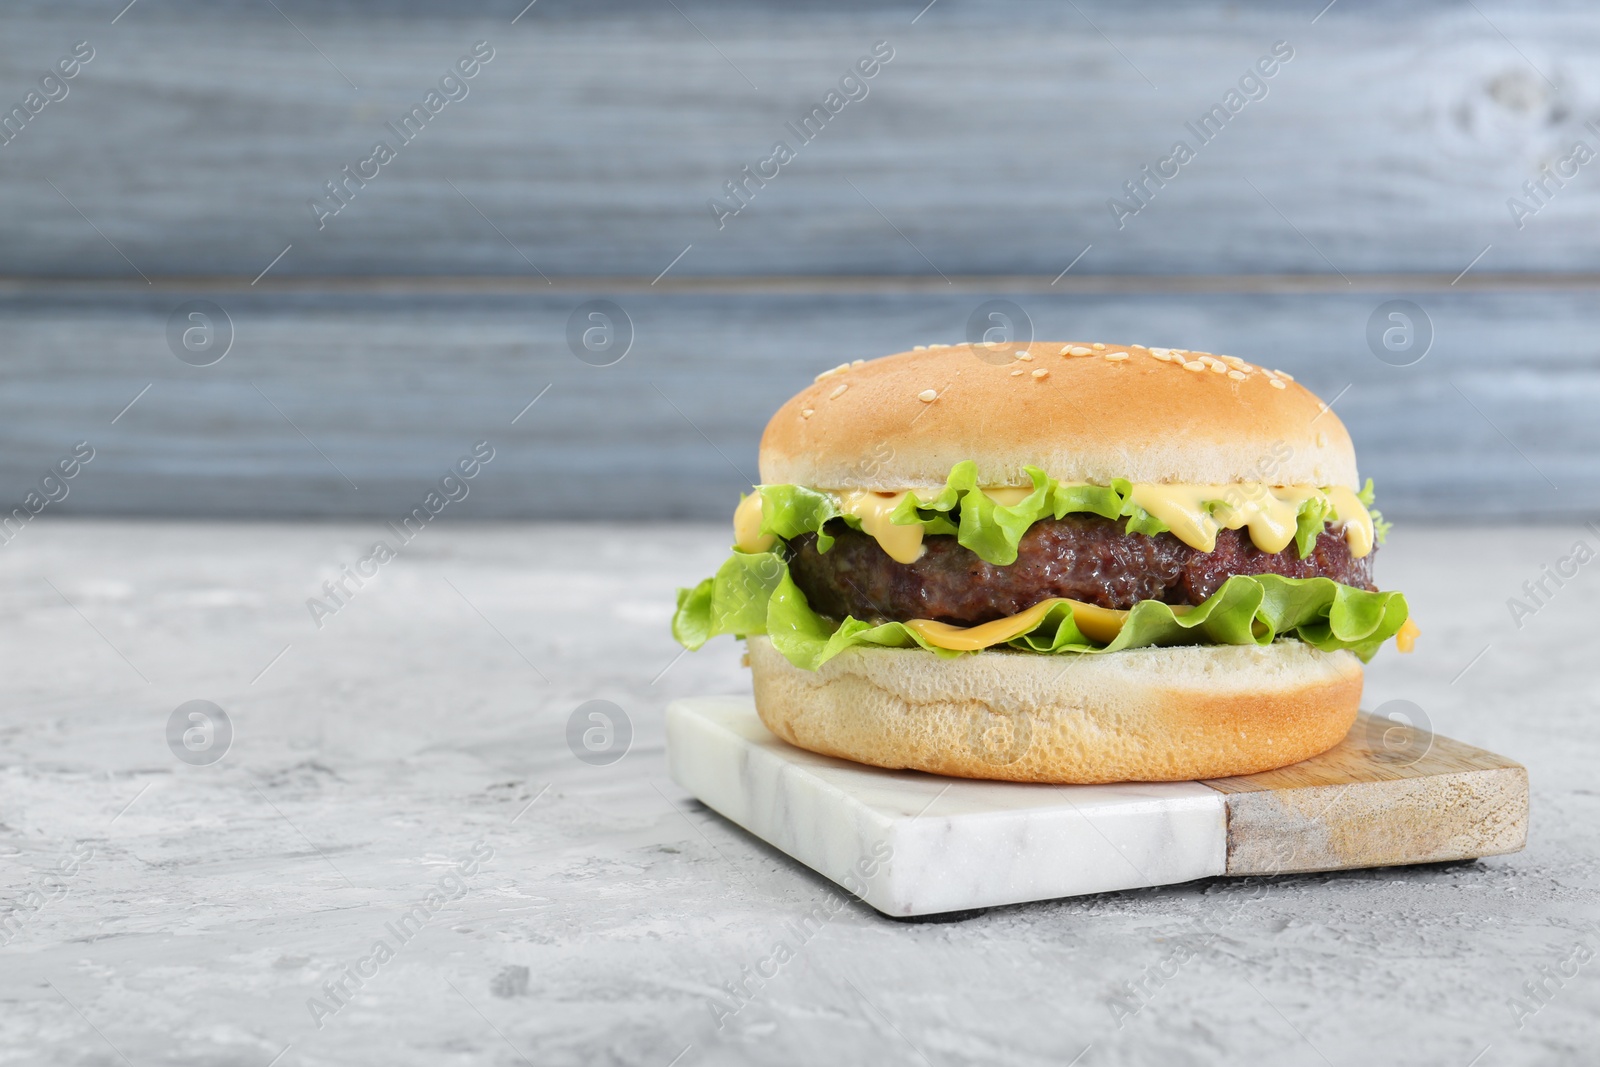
point(411, 757)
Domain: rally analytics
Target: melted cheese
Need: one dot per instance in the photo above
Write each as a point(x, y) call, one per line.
point(1406, 639)
point(747, 535)
point(1270, 514)
point(903, 544)
point(1009, 496)
point(1182, 508)
point(1097, 623)
point(1358, 533)
point(1196, 512)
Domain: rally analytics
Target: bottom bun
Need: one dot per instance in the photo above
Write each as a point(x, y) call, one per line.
point(1142, 715)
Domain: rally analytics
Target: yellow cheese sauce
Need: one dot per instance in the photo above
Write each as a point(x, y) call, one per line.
point(1194, 513)
point(903, 544)
point(1009, 496)
point(1406, 639)
point(747, 535)
point(1348, 509)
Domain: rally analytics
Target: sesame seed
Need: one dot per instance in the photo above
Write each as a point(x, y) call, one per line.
point(806, 413)
point(1237, 375)
point(1016, 372)
point(1163, 355)
point(857, 362)
point(919, 348)
point(1158, 352)
point(1116, 357)
point(927, 396)
point(1219, 367)
point(1025, 356)
point(838, 390)
point(1078, 350)
point(1098, 347)
point(1286, 374)
point(1194, 364)
point(834, 370)
point(1041, 372)
point(1276, 384)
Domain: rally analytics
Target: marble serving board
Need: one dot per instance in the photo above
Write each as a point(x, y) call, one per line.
point(913, 844)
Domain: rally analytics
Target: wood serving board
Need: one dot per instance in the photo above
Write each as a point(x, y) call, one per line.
point(1385, 795)
point(915, 844)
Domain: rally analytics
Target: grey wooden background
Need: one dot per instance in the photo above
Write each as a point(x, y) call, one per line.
point(434, 306)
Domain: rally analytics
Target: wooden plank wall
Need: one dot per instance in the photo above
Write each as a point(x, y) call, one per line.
point(1374, 164)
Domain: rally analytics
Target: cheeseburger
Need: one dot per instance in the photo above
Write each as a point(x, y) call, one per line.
point(1074, 563)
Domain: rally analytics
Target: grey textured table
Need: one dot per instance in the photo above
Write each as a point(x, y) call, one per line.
point(201, 914)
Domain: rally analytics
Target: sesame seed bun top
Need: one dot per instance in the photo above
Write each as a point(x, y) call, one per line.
point(1082, 411)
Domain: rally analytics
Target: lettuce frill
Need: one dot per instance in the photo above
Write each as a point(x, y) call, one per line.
point(992, 531)
point(753, 593)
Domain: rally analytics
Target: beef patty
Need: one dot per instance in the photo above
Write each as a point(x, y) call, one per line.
point(1083, 557)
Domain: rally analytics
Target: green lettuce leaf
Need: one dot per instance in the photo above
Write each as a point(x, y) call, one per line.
point(960, 509)
point(992, 531)
point(735, 601)
point(1109, 501)
point(791, 510)
point(1380, 528)
point(1314, 515)
point(753, 593)
point(1139, 521)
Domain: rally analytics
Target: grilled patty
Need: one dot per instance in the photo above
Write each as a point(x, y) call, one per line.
point(1083, 557)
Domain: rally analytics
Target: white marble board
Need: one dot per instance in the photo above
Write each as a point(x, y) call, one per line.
point(909, 843)
point(912, 844)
